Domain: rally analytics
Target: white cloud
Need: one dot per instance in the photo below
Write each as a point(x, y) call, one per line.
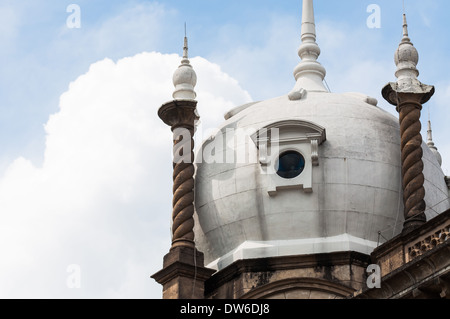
point(102, 198)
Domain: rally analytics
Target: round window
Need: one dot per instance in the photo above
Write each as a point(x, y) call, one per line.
point(290, 164)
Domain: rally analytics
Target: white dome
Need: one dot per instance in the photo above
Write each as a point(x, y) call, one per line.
point(354, 198)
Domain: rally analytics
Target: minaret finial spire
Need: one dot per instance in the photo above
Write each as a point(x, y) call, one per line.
point(308, 22)
point(406, 38)
point(431, 144)
point(406, 59)
point(309, 73)
point(185, 78)
point(186, 47)
point(430, 134)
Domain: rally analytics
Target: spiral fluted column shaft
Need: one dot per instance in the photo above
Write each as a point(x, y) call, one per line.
point(409, 97)
point(183, 188)
point(412, 164)
point(181, 116)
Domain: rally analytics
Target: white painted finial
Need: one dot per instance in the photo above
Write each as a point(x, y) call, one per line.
point(309, 73)
point(431, 144)
point(185, 78)
point(406, 60)
point(405, 30)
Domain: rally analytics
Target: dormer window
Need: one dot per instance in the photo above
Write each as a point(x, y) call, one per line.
point(287, 152)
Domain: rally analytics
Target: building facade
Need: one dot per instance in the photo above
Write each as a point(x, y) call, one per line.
point(323, 194)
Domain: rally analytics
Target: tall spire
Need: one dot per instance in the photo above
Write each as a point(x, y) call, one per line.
point(185, 78)
point(406, 59)
point(309, 73)
point(406, 38)
point(431, 144)
point(185, 47)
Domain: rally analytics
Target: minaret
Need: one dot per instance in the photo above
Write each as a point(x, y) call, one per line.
point(408, 94)
point(431, 144)
point(183, 275)
point(309, 73)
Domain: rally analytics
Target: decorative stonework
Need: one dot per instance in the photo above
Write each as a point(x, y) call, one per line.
point(414, 265)
point(430, 242)
point(294, 135)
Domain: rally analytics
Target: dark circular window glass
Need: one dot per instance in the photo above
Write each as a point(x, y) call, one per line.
point(290, 164)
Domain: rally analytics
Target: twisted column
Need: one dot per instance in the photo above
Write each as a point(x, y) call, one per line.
point(409, 105)
point(181, 115)
point(412, 164)
point(183, 187)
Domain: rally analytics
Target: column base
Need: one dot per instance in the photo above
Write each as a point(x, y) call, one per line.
point(414, 223)
point(183, 275)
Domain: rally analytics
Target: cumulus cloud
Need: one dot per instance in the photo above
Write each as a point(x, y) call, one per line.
point(101, 199)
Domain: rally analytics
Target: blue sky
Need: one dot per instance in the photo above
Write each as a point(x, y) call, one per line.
point(41, 57)
point(253, 42)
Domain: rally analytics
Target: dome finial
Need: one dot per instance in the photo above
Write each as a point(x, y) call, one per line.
point(185, 78)
point(431, 144)
point(406, 38)
point(309, 73)
point(185, 48)
point(406, 59)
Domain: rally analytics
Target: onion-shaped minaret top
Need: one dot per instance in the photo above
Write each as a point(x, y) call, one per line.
point(185, 78)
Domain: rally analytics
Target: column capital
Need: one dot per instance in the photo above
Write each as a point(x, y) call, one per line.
point(179, 113)
point(396, 95)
